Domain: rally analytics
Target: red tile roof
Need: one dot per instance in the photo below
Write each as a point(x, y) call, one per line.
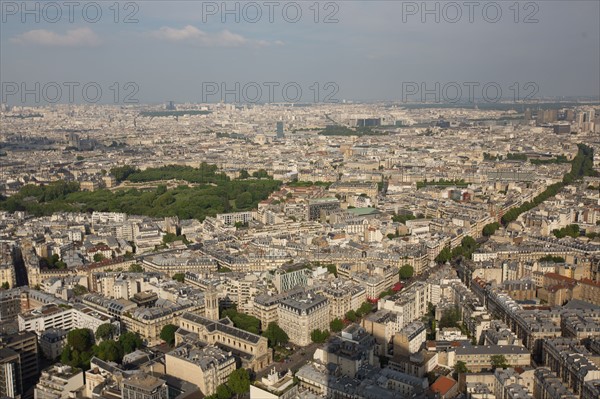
point(443, 385)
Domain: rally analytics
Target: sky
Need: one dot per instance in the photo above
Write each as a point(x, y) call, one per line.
point(198, 51)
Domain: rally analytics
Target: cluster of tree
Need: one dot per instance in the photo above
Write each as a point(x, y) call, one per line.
point(432, 322)
point(77, 351)
point(79, 290)
point(136, 268)
point(5, 285)
point(170, 237)
point(261, 174)
point(317, 336)
point(499, 362)
point(514, 213)
point(353, 315)
point(179, 277)
point(275, 335)
point(467, 246)
point(106, 331)
point(80, 347)
point(444, 256)
point(237, 384)
point(167, 334)
point(404, 217)
point(336, 325)
point(296, 183)
point(52, 262)
point(582, 165)
point(490, 228)
point(121, 173)
point(489, 157)
point(332, 269)
point(516, 157)
point(242, 320)
point(571, 230)
point(557, 160)
point(235, 136)
point(461, 367)
point(183, 201)
point(551, 258)
point(205, 173)
point(391, 236)
point(450, 318)
point(337, 130)
point(50, 192)
point(406, 272)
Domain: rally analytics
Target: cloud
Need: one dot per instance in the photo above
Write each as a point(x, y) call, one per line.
point(72, 38)
point(191, 34)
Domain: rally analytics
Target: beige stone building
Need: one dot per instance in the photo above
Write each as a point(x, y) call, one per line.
point(7, 275)
point(148, 322)
point(207, 367)
point(252, 349)
point(343, 298)
point(478, 358)
point(298, 317)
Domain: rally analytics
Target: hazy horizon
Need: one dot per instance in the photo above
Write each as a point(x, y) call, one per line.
point(178, 50)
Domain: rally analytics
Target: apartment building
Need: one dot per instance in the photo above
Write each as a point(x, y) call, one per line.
point(382, 325)
point(52, 342)
point(148, 322)
point(183, 262)
point(25, 345)
point(411, 303)
point(353, 349)
point(51, 316)
point(591, 390)
point(571, 362)
point(299, 316)
point(264, 306)
point(286, 280)
point(58, 382)
point(48, 316)
point(410, 339)
point(10, 374)
point(10, 304)
point(343, 297)
point(205, 366)
point(7, 275)
point(547, 385)
point(144, 386)
point(319, 208)
point(234, 217)
point(256, 354)
point(377, 280)
point(478, 358)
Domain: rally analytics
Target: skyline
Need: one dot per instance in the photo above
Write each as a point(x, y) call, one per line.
point(370, 54)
